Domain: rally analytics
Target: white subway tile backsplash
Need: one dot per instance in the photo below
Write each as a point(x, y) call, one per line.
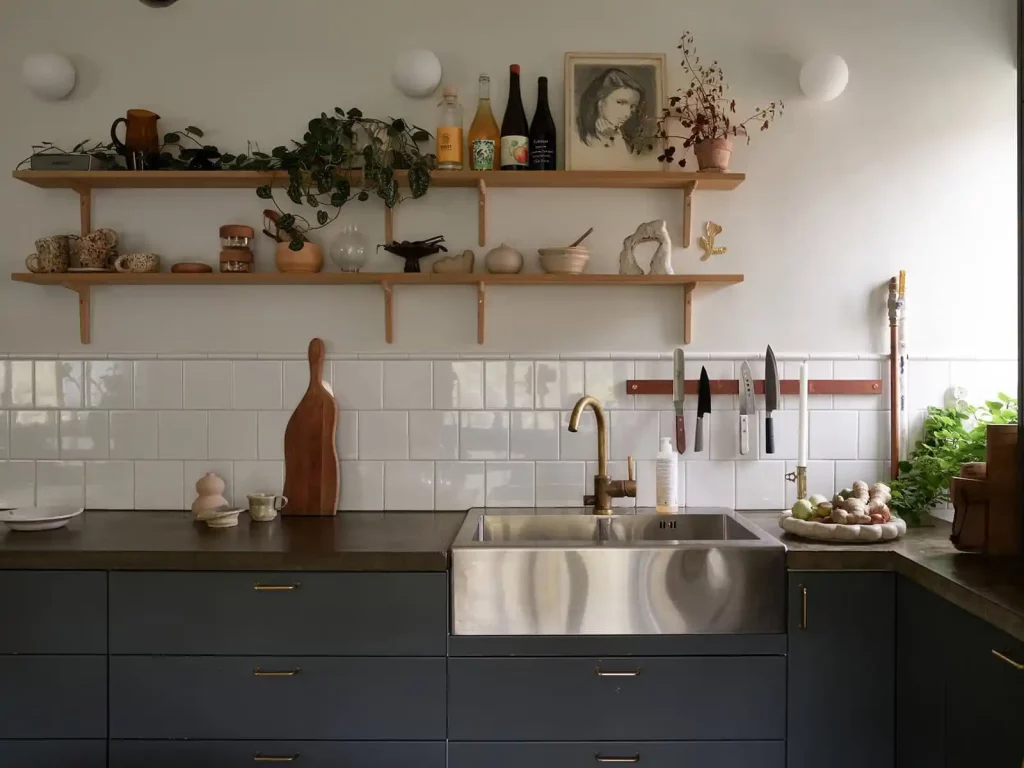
point(483, 435)
point(711, 484)
point(158, 384)
point(580, 445)
point(383, 435)
point(658, 370)
point(109, 485)
point(459, 484)
point(833, 434)
point(434, 435)
point(182, 435)
point(258, 477)
point(724, 435)
point(348, 436)
point(34, 435)
point(17, 484)
point(207, 384)
point(362, 485)
point(194, 471)
point(873, 435)
point(510, 484)
point(558, 383)
point(458, 384)
point(84, 434)
point(982, 380)
point(133, 434)
point(296, 381)
point(928, 381)
point(109, 384)
point(158, 485)
point(760, 485)
point(408, 384)
point(16, 384)
point(508, 384)
point(606, 380)
point(233, 435)
point(534, 435)
point(861, 369)
point(270, 434)
point(59, 384)
point(258, 385)
point(634, 433)
point(560, 483)
point(5, 435)
point(847, 472)
point(785, 426)
point(60, 483)
point(408, 485)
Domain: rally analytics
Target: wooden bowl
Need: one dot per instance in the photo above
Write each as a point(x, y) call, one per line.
point(191, 268)
point(564, 260)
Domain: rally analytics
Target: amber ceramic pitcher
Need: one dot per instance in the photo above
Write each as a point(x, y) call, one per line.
point(141, 140)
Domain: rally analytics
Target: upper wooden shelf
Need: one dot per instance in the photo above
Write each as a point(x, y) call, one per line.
point(469, 179)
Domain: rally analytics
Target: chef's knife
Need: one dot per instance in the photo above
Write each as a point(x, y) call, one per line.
point(771, 398)
point(678, 395)
point(747, 407)
point(703, 407)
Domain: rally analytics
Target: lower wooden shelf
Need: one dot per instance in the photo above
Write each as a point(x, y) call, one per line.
point(82, 284)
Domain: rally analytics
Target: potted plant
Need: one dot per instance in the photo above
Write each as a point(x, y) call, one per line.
point(702, 113)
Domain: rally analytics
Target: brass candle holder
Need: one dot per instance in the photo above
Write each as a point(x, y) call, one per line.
point(800, 478)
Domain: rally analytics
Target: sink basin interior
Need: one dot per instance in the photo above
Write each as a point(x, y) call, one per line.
point(553, 530)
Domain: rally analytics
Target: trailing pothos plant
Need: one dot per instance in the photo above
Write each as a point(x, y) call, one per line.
point(952, 438)
point(320, 167)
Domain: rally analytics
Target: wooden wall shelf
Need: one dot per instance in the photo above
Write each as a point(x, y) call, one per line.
point(82, 284)
point(84, 182)
point(732, 386)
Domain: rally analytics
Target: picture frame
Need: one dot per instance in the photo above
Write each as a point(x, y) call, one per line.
point(612, 101)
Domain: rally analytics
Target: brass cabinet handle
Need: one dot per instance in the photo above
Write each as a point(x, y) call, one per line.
point(803, 609)
point(274, 587)
point(626, 673)
point(276, 673)
point(631, 759)
point(1016, 665)
point(258, 758)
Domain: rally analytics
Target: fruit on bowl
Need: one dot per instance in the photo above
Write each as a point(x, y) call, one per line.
point(856, 514)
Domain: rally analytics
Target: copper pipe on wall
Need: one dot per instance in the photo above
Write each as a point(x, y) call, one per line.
point(894, 394)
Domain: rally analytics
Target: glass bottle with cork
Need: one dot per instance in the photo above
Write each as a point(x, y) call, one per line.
point(449, 131)
point(484, 134)
point(515, 131)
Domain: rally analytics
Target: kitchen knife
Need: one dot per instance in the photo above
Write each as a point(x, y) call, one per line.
point(747, 407)
point(771, 398)
point(703, 407)
point(678, 395)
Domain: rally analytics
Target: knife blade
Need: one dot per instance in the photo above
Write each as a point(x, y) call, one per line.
point(747, 407)
point(703, 407)
point(678, 396)
point(771, 398)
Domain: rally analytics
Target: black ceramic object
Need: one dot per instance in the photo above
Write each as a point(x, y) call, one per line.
point(413, 251)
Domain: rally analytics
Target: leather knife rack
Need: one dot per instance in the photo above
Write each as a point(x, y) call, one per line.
point(732, 386)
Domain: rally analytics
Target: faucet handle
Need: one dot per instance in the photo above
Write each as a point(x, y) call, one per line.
point(630, 468)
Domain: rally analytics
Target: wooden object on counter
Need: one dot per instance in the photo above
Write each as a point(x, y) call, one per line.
point(310, 453)
point(970, 516)
point(1003, 525)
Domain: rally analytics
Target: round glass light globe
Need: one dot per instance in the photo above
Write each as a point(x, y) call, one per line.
point(417, 73)
point(823, 78)
point(49, 76)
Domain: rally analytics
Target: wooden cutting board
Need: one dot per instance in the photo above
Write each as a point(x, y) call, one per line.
point(310, 455)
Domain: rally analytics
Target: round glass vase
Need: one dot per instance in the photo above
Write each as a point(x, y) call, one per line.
point(349, 249)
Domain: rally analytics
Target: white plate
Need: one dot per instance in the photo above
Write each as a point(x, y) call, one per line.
point(38, 518)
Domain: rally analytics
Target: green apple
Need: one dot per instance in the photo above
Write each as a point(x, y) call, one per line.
point(802, 510)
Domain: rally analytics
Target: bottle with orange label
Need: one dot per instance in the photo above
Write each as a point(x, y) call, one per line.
point(449, 131)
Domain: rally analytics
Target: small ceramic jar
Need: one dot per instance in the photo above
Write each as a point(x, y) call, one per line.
point(504, 260)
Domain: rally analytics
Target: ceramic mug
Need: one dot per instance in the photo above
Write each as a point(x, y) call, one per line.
point(94, 250)
point(53, 254)
point(263, 507)
point(137, 262)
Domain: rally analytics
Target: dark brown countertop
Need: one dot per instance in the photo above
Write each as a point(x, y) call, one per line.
point(990, 588)
point(136, 540)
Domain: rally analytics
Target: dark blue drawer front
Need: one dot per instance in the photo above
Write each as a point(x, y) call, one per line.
point(301, 754)
point(650, 754)
point(53, 754)
point(623, 699)
point(327, 698)
point(53, 612)
point(53, 697)
point(288, 614)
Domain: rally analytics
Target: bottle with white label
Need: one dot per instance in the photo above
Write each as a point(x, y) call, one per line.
point(449, 131)
point(667, 479)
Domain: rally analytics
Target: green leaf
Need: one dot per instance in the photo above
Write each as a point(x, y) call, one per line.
point(312, 201)
point(419, 180)
point(421, 136)
point(338, 199)
point(286, 221)
point(297, 242)
point(264, 192)
point(398, 125)
point(295, 193)
point(322, 218)
point(194, 131)
point(279, 152)
point(354, 113)
point(364, 196)
point(172, 138)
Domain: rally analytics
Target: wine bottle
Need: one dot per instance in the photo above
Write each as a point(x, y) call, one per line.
point(484, 134)
point(543, 153)
point(515, 132)
point(449, 131)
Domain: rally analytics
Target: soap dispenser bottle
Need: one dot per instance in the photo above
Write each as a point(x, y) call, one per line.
point(667, 479)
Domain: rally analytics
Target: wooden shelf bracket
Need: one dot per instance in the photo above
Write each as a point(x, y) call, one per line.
point(481, 187)
point(389, 225)
point(688, 191)
point(389, 306)
point(688, 312)
point(481, 311)
point(84, 208)
point(84, 311)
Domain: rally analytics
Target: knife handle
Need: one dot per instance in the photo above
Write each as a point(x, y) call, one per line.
point(744, 434)
point(769, 434)
point(680, 433)
point(698, 437)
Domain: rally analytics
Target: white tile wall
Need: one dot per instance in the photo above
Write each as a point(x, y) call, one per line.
point(422, 432)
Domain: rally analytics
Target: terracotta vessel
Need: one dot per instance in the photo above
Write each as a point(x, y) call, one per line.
point(309, 259)
point(713, 154)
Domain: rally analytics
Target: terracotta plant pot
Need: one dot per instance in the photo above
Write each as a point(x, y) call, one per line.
point(309, 259)
point(713, 154)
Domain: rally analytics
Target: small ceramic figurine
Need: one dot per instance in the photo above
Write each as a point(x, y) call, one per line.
point(457, 263)
point(210, 488)
point(649, 232)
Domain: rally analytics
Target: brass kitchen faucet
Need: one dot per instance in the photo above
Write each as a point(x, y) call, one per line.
point(605, 489)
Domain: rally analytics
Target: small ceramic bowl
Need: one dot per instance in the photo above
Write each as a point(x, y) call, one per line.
point(565, 260)
point(222, 518)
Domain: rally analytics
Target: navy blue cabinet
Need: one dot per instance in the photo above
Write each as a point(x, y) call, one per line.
point(52, 753)
point(841, 671)
point(604, 754)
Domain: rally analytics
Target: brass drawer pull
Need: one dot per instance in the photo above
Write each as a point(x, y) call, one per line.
point(274, 587)
point(258, 758)
point(628, 673)
point(1016, 665)
point(631, 759)
point(276, 673)
point(803, 610)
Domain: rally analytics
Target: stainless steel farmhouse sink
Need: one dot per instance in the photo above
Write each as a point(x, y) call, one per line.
point(567, 572)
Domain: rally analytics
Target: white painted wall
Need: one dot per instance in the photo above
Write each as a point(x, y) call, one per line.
point(914, 168)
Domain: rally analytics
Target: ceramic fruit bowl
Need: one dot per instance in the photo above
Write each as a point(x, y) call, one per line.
point(38, 518)
point(845, 534)
point(566, 260)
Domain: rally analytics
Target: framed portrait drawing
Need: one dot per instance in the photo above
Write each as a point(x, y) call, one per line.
point(611, 103)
